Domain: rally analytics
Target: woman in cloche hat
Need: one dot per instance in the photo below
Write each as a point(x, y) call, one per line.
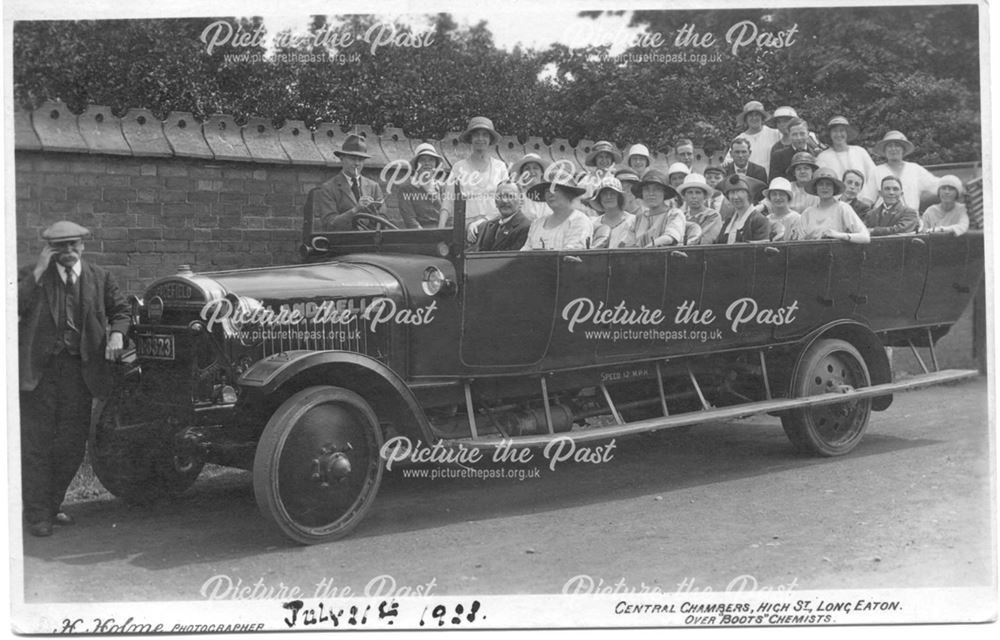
point(800, 172)
point(527, 172)
point(917, 182)
point(476, 177)
point(615, 227)
point(761, 136)
point(949, 215)
point(781, 216)
point(659, 224)
point(421, 196)
point(831, 218)
point(696, 194)
point(842, 156)
point(567, 227)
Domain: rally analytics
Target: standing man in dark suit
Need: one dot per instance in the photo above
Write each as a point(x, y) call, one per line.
point(347, 193)
point(509, 232)
point(741, 166)
point(781, 155)
point(72, 323)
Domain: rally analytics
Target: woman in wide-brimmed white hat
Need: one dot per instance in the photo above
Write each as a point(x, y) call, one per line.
point(842, 155)
point(917, 182)
point(949, 215)
point(831, 218)
point(476, 177)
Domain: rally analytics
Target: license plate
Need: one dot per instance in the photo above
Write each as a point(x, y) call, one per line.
point(157, 347)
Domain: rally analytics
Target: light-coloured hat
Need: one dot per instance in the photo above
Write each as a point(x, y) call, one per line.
point(841, 121)
point(607, 182)
point(354, 145)
point(751, 107)
point(638, 150)
point(779, 184)
point(714, 168)
point(695, 181)
point(952, 181)
point(479, 122)
point(781, 112)
point(894, 136)
point(425, 149)
point(602, 146)
point(65, 231)
point(678, 167)
point(825, 174)
point(517, 167)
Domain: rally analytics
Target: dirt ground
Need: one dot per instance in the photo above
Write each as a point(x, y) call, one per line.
point(910, 507)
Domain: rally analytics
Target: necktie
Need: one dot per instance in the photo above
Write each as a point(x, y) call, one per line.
point(356, 188)
point(70, 298)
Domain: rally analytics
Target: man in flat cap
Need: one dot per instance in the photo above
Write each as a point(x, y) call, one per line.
point(347, 193)
point(72, 322)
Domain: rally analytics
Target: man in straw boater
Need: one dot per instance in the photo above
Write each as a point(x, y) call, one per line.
point(338, 199)
point(72, 321)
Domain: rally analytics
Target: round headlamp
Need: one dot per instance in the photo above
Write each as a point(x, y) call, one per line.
point(434, 282)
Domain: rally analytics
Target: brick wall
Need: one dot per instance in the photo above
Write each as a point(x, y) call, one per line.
point(149, 215)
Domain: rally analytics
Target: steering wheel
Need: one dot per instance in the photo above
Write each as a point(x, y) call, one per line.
point(362, 221)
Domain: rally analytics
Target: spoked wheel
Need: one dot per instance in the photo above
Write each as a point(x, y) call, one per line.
point(828, 366)
point(317, 466)
point(133, 454)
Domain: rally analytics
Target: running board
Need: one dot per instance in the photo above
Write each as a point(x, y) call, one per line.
point(727, 413)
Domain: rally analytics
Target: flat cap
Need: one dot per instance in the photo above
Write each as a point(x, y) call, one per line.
point(65, 230)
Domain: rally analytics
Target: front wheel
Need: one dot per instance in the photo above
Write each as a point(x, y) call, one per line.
point(317, 468)
point(133, 453)
point(828, 366)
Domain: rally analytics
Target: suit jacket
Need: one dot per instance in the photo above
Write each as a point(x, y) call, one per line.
point(335, 203)
point(509, 237)
point(102, 306)
point(754, 170)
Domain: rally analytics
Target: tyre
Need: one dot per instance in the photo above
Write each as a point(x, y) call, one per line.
point(133, 456)
point(317, 469)
point(828, 366)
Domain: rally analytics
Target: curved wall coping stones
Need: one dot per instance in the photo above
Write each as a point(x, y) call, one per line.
point(223, 136)
point(53, 127)
point(144, 134)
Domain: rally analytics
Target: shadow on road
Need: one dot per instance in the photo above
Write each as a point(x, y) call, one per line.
point(218, 519)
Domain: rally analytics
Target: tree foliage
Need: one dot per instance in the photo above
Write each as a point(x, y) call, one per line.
point(913, 68)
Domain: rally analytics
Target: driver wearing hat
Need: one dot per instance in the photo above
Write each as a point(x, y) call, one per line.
point(72, 320)
point(337, 200)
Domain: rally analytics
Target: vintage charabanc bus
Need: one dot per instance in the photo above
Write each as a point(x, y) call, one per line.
point(301, 373)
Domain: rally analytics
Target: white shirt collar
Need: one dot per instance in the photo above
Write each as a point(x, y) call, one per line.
point(77, 270)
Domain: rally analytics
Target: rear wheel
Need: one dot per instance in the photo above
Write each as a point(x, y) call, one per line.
point(828, 366)
point(317, 468)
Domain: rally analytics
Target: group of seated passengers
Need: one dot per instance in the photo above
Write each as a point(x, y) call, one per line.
point(771, 188)
point(671, 216)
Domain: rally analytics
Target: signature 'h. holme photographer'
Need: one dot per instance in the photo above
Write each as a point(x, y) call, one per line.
point(400, 251)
